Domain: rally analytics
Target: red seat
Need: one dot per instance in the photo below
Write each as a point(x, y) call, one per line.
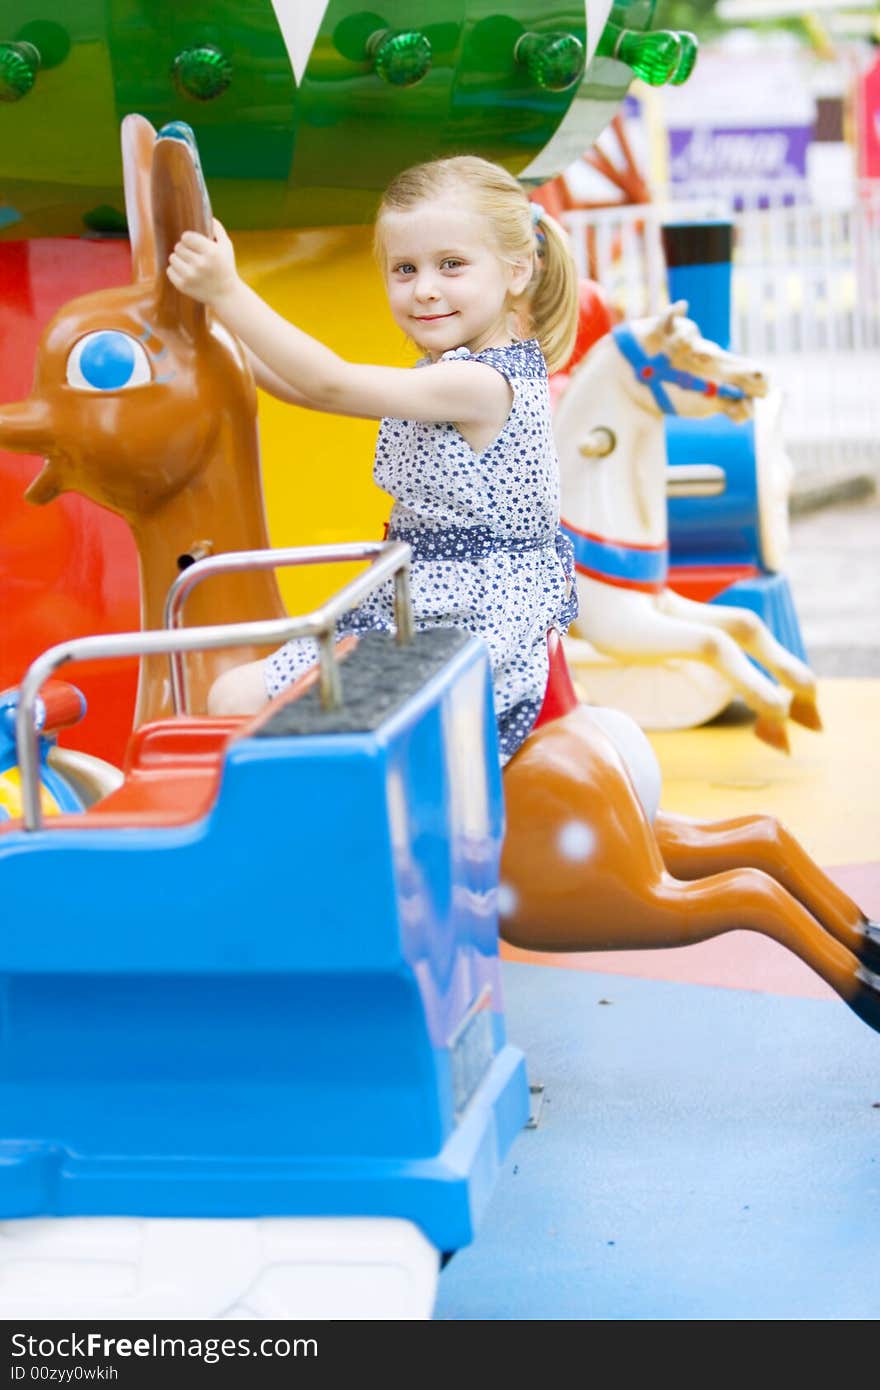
point(172, 767)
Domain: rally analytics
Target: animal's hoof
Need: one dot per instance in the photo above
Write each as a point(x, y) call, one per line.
point(804, 710)
point(869, 951)
point(866, 1001)
point(770, 729)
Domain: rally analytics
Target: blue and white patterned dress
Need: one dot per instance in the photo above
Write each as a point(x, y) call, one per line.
point(488, 555)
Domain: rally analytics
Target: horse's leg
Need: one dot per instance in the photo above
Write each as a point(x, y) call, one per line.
point(693, 849)
point(749, 900)
point(632, 627)
point(750, 633)
point(581, 870)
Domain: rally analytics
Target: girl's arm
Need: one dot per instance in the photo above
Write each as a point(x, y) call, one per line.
point(471, 395)
point(269, 381)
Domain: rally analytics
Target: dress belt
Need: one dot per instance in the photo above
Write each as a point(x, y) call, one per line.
point(464, 542)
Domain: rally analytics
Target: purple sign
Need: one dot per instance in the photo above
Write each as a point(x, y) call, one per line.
point(740, 155)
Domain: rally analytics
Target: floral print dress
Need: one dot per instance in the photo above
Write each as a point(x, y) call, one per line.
point(488, 555)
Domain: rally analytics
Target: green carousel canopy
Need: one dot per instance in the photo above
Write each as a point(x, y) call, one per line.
point(304, 109)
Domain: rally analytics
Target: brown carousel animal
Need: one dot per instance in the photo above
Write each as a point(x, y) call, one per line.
point(146, 405)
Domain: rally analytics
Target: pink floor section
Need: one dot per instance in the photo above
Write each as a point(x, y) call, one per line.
point(739, 960)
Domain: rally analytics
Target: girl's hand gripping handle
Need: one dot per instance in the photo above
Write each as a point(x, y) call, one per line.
point(204, 268)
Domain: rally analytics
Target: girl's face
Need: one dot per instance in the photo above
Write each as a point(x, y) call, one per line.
point(447, 286)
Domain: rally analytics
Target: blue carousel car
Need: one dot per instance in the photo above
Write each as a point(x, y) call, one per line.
point(254, 1057)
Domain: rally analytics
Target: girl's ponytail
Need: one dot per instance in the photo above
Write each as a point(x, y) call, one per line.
point(552, 297)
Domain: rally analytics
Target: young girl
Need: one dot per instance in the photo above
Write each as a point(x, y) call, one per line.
point(465, 448)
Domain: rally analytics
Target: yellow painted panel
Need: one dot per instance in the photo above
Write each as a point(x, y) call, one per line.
point(11, 800)
point(827, 792)
point(317, 469)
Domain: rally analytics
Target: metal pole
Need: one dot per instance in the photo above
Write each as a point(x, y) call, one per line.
point(390, 558)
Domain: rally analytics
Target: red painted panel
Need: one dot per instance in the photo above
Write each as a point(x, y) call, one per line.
point(67, 569)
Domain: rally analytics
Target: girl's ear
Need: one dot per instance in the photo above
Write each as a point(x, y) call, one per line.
point(521, 274)
point(138, 139)
point(180, 204)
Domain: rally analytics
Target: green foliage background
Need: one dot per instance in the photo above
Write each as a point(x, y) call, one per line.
point(696, 15)
point(701, 18)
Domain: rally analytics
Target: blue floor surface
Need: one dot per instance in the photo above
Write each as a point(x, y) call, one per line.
point(701, 1154)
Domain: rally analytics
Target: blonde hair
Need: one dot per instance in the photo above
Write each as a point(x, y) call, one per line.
point(549, 306)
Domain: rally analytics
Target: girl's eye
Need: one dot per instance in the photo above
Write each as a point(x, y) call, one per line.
point(108, 361)
point(405, 269)
point(451, 263)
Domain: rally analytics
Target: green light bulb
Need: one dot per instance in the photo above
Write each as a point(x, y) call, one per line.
point(653, 57)
point(401, 59)
point(19, 64)
point(202, 73)
point(553, 61)
point(689, 50)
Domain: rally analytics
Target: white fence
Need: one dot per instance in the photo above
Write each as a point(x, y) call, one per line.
point(805, 304)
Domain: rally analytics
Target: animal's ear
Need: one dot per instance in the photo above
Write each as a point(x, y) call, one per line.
point(678, 310)
point(180, 204)
point(657, 338)
point(138, 139)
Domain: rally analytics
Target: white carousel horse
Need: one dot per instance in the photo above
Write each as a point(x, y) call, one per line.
point(609, 433)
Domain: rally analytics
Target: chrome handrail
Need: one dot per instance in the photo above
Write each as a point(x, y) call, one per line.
point(392, 558)
point(388, 561)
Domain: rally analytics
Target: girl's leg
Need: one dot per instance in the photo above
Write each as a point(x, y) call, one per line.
point(246, 689)
point(240, 690)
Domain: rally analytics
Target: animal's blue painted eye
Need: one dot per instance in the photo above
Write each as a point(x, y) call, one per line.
point(108, 361)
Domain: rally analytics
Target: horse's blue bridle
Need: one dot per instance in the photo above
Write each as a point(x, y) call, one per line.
point(654, 371)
